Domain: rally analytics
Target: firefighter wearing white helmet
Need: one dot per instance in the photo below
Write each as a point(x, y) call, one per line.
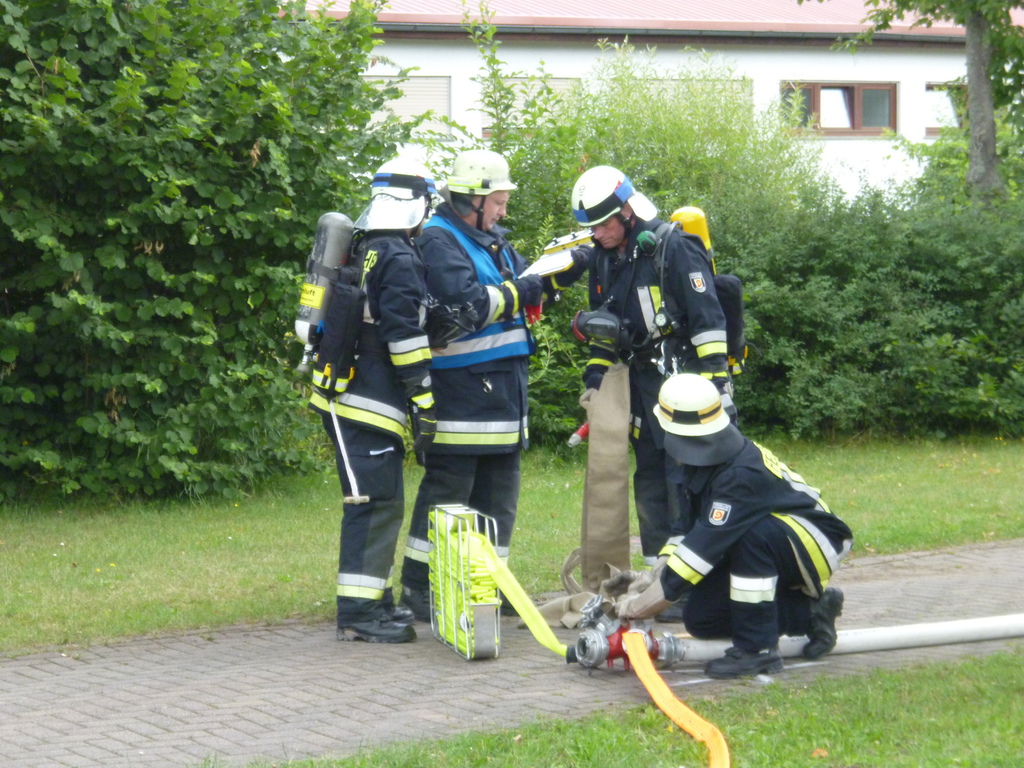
point(482, 419)
point(671, 321)
point(758, 560)
point(379, 306)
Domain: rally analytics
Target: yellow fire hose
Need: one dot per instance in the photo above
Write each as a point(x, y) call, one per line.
point(486, 574)
point(680, 714)
point(457, 548)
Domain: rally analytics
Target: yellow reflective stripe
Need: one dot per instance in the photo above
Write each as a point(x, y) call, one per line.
point(361, 586)
point(359, 415)
point(817, 556)
point(418, 549)
point(323, 380)
point(426, 400)
point(477, 438)
point(421, 355)
point(712, 348)
point(515, 295)
point(599, 361)
point(365, 593)
point(676, 564)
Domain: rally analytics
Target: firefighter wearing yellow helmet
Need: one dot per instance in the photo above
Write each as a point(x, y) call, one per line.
point(482, 419)
point(758, 560)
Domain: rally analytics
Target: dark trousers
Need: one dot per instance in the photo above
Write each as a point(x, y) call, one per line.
point(488, 484)
point(764, 551)
point(369, 532)
point(655, 491)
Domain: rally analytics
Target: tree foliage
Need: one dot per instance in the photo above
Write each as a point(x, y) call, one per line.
point(890, 313)
point(995, 68)
point(164, 166)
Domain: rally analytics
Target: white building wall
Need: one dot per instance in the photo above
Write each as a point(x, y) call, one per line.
point(852, 160)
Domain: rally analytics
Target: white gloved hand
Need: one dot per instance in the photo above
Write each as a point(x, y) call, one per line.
point(648, 603)
point(586, 397)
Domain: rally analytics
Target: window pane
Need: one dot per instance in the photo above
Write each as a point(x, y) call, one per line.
point(836, 108)
point(876, 108)
point(940, 107)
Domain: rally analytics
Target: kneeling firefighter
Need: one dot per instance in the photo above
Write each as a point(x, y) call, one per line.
point(372, 369)
point(757, 562)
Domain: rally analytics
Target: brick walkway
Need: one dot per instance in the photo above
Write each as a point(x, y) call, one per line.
point(293, 691)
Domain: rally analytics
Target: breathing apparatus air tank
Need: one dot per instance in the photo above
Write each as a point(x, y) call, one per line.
point(693, 220)
point(330, 252)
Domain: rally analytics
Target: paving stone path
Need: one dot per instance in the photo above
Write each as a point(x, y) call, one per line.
point(242, 694)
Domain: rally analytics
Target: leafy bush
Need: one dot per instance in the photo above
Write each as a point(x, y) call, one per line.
point(165, 164)
point(891, 312)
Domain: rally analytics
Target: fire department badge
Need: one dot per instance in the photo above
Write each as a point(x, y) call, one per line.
point(719, 513)
point(697, 282)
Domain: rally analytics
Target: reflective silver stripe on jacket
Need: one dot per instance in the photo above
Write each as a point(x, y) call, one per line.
point(374, 406)
point(515, 335)
point(708, 337)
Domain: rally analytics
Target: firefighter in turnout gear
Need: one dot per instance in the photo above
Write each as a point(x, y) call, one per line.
point(757, 563)
point(670, 320)
point(482, 416)
point(369, 405)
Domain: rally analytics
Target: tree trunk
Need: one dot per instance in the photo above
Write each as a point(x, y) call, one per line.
point(983, 169)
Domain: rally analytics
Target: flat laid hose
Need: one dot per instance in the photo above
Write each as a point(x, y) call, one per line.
point(718, 751)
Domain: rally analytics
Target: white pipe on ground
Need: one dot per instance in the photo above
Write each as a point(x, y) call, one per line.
point(883, 638)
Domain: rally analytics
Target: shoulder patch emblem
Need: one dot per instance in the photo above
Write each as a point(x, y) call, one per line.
point(697, 282)
point(719, 513)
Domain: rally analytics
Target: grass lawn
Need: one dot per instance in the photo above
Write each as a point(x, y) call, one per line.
point(78, 572)
point(75, 572)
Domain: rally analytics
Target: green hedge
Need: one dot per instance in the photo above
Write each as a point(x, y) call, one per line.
point(165, 164)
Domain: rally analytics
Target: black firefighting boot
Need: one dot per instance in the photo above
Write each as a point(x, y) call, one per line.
point(379, 629)
point(399, 614)
point(418, 601)
point(737, 663)
point(396, 613)
point(822, 635)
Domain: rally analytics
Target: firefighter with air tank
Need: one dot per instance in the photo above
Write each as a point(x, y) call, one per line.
point(654, 307)
point(371, 375)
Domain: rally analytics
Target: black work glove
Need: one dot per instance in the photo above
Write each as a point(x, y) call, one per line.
point(424, 429)
point(529, 289)
point(593, 375)
point(581, 257)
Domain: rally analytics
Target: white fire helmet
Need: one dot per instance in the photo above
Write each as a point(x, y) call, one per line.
point(399, 196)
point(479, 172)
point(698, 431)
point(601, 192)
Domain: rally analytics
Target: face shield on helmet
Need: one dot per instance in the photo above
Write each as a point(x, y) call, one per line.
point(697, 428)
point(601, 192)
point(399, 197)
point(479, 172)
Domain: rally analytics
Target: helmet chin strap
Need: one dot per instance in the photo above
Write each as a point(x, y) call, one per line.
point(479, 213)
point(627, 223)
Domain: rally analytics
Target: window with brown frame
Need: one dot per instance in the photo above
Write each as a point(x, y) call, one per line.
point(945, 104)
point(844, 109)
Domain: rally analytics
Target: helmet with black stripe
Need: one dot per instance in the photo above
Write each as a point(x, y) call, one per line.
point(697, 428)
